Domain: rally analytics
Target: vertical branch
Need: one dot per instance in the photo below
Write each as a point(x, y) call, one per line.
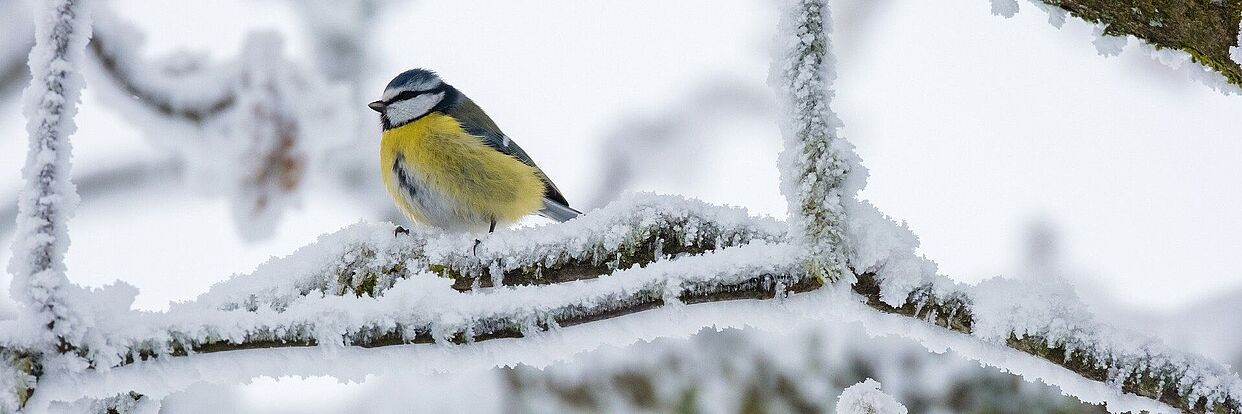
point(269, 154)
point(48, 199)
point(816, 159)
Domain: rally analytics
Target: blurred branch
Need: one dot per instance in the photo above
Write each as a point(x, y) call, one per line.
point(117, 178)
point(155, 100)
point(638, 144)
point(745, 368)
point(159, 86)
point(250, 128)
point(16, 39)
point(12, 74)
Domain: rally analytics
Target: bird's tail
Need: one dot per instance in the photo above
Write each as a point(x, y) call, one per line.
point(557, 211)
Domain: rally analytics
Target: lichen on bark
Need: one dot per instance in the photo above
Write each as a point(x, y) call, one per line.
point(1205, 29)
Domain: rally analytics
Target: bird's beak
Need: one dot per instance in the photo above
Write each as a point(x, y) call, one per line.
point(377, 106)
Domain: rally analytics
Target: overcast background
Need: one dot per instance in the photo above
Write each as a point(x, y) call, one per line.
point(976, 130)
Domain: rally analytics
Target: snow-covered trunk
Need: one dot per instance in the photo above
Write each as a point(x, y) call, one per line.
point(816, 159)
point(62, 28)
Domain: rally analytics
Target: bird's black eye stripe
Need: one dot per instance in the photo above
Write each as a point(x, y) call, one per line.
point(403, 96)
point(411, 94)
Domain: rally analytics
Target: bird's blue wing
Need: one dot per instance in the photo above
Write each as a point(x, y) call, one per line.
point(477, 123)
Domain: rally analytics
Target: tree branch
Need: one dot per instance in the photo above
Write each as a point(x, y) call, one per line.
point(49, 198)
point(19, 372)
point(816, 161)
point(1205, 29)
point(389, 294)
point(114, 49)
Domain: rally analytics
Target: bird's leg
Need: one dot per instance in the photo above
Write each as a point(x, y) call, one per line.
point(400, 230)
point(491, 229)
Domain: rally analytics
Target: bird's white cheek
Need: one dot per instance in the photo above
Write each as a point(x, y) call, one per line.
point(404, 111)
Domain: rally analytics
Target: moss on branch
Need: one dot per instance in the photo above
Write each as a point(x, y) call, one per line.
point(764, 286)
point(641, 246)
point(372, 269)
point(1205, 29)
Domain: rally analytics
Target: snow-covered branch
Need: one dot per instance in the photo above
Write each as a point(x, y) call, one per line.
point(364, 286)
point(48, 199)
point(19, 372)
point(816, 160)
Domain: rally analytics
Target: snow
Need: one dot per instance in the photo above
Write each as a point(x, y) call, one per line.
point(158, 378)
point(295, 298)
point(1056, 15)
point(1108, 45)
point(1235, 51)
point(364, 249)
point(423, 304)
point(48, 199)
point(1181, 61)
point(816, 162)
point(1049, 309)
point(624, 222)
point(880, 245)
point(11, 378)
point(866, 398)
point(1005, 8)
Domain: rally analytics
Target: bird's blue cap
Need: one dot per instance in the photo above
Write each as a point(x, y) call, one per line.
point(413, 77)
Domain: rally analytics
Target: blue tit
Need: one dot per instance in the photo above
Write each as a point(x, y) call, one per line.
point(446, 163)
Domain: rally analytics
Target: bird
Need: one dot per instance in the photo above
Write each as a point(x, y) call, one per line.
point(446, 164)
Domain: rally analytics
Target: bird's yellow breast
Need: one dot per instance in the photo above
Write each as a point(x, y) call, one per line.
point(452, 178)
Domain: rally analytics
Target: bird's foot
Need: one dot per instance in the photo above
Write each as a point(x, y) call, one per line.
point(400, 230)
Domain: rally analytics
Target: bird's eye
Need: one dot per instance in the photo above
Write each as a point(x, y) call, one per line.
point(403, 96)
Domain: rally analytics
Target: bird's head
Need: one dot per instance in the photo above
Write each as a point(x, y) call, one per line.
point(412, 95)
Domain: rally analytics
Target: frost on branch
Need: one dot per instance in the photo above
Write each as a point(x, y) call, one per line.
point(632, 231)
point(365, 286)
point(816, 159)
point(367, 260)
point(1041, 318)
point(866, 398)
point(48, 198)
